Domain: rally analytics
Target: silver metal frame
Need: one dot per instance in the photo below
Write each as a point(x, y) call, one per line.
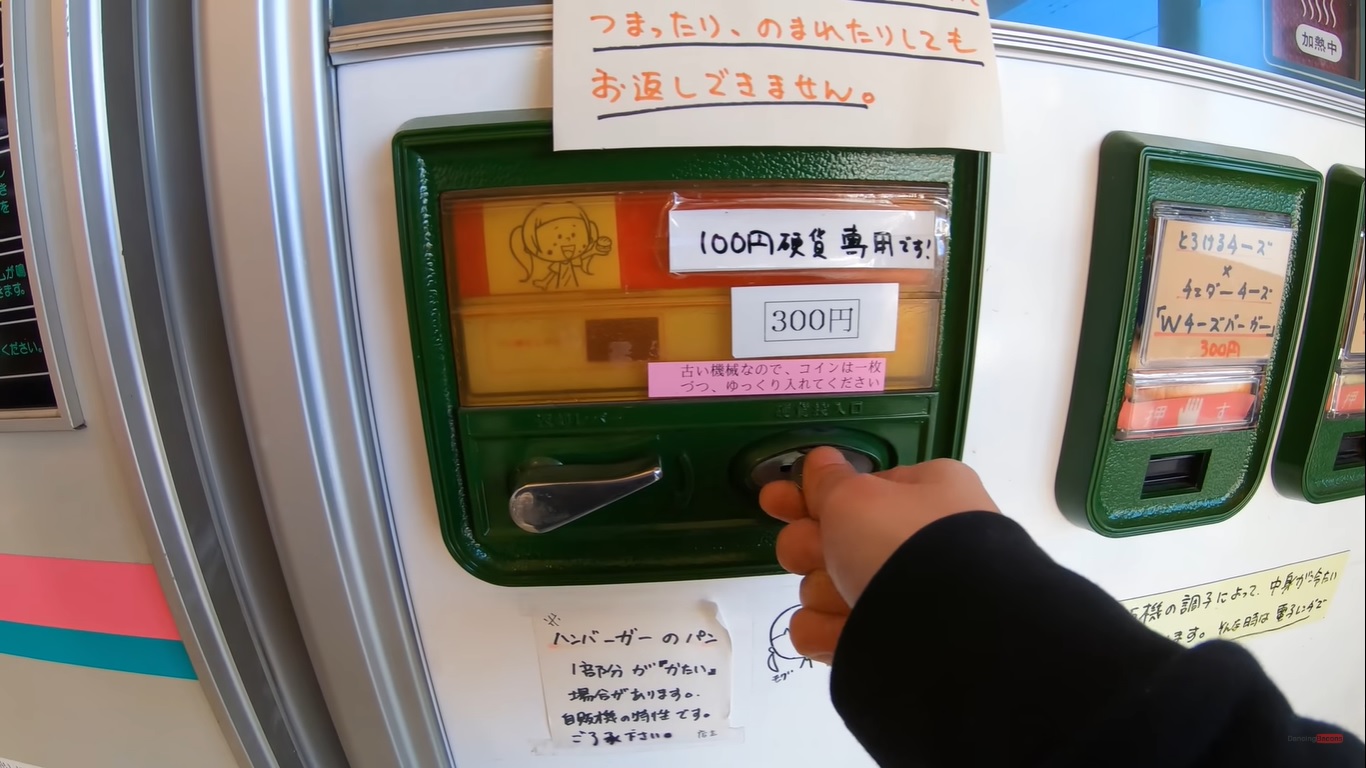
point(530, 25)
point(95, 202)
point(27, 183)
point(268, 122)
point(230, 579)
point(122, 164)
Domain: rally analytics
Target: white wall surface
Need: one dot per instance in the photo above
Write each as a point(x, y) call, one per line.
point(478, 638)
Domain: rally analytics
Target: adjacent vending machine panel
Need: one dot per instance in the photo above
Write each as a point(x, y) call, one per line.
point(1321, 456)
point(1192, 306)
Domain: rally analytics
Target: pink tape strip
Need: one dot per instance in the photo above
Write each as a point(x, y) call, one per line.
point(87, 595)
point(768, 378)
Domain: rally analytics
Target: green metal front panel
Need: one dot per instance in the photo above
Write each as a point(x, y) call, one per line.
point(701, 520)
point(1100, 478)
point(1306, 455)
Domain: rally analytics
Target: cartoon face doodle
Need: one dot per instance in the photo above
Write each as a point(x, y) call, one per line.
point(556, 243)
point(782, 656)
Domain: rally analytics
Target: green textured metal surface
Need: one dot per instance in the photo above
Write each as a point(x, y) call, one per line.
point(1303, 467)
point(701, 520)
point(1100, 479)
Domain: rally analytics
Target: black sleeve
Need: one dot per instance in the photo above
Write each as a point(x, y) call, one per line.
point(971, 647)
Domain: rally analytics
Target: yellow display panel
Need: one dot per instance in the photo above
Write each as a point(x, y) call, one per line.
point(577, 351)
point(567, 297)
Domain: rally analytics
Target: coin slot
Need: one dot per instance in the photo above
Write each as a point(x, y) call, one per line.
point(774, 468)
point(787, 466)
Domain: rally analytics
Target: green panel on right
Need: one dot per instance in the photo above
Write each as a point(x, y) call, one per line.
point(1319, 456)
point(1142, 455)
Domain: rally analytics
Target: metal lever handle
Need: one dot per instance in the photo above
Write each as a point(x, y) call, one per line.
point(550, 494)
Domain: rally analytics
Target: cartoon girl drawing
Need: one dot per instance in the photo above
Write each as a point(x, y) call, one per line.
point(556, 243)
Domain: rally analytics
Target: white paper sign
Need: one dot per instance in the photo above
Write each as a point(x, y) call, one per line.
point(8, 762)
point(775, 73)
point(805, 320)
point(723, 240)
point(618, 680)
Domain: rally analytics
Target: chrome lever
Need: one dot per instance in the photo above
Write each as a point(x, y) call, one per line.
point(550, 494)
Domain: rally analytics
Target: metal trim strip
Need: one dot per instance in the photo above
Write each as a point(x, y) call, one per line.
point(26, 139)
point(270, 139)
point(99, 241)
point(530, 25)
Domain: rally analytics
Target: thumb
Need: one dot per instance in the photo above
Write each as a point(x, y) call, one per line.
point(823, 469)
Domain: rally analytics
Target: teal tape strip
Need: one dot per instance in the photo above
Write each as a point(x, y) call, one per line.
point(139, 655)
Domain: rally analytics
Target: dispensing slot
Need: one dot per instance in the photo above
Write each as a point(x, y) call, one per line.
point(1175, 473)
point(1351, 451)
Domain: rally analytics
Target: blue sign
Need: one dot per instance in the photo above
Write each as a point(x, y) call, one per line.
point(1318, 41)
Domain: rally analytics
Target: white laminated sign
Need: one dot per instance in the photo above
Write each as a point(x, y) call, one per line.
point(738, 239)
point(804, 320)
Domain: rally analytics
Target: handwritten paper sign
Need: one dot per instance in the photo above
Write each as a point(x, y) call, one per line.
point(766, 378)
point(1218, 292)
point(775, 73)
point(723, 240)
point(1243, 606)
point(799, 320)
point(614, 680)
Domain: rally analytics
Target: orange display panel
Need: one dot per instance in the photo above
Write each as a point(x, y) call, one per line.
point(1348, 395)
point(568, 297)
point(1215, 288)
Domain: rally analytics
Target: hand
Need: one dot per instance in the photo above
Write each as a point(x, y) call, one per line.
point(843, 526)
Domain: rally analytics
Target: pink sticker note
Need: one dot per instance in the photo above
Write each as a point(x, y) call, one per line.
point(769, 378)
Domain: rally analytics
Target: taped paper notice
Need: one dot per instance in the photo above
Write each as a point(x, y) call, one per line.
point(723, 240)
point(616, 680)
point(765, 378)
point(811, 73)
point(1244, 606)
point(799, 320)
point(1218, 292)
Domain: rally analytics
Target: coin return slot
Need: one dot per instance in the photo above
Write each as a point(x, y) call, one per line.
point(1175, 473)
point(1351, 451)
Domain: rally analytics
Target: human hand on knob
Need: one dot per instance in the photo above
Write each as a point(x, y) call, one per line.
point(842, 526)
